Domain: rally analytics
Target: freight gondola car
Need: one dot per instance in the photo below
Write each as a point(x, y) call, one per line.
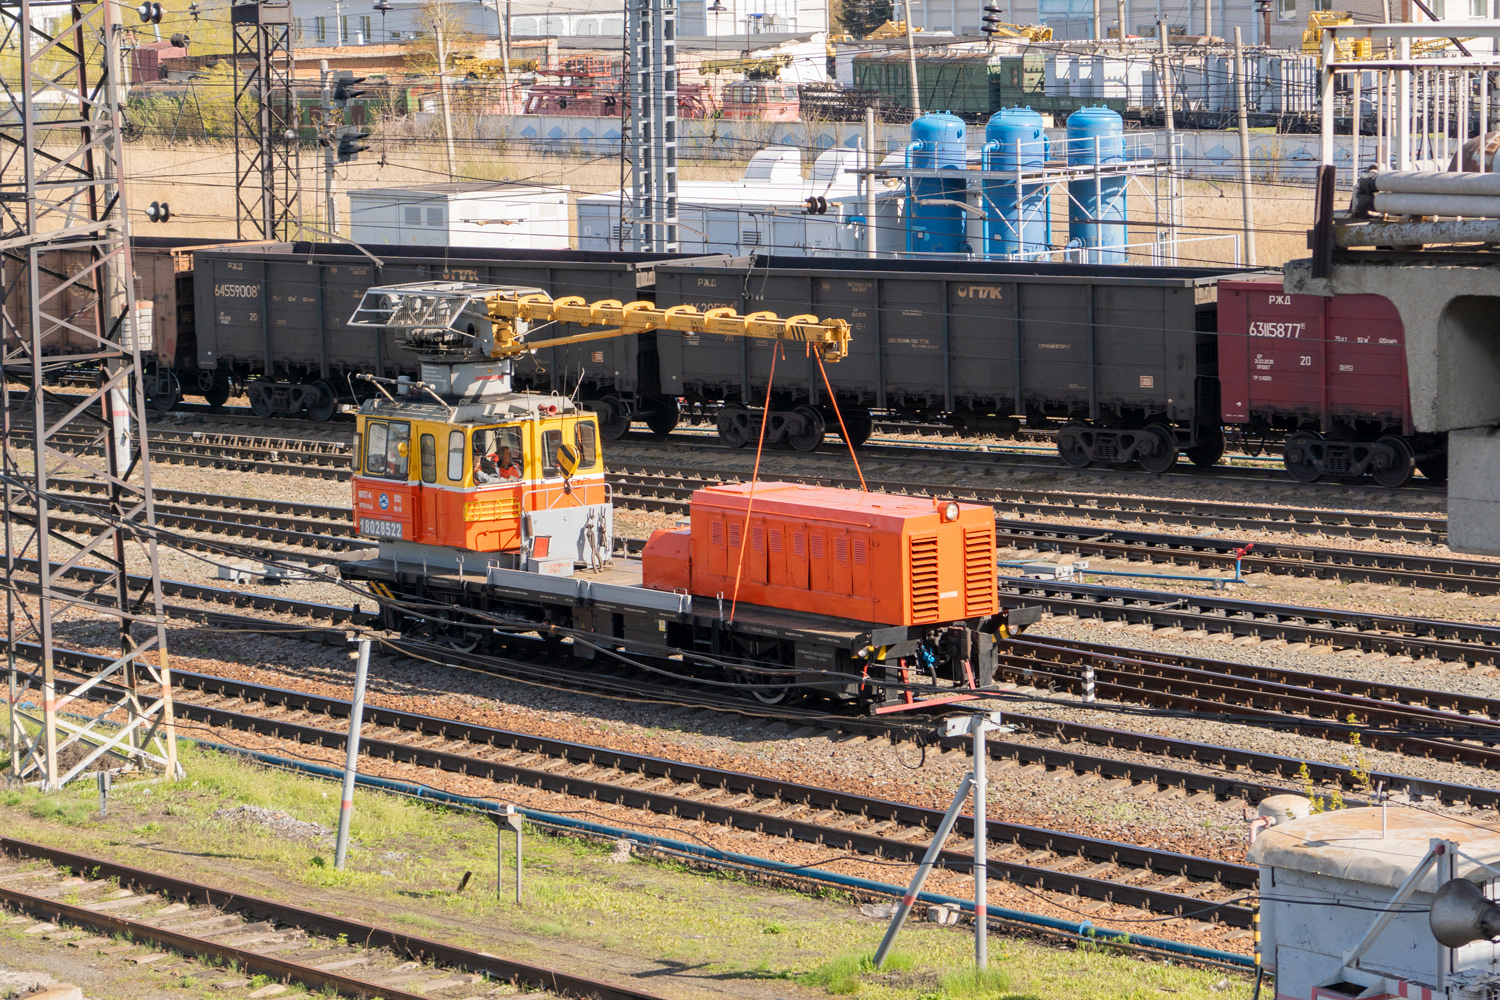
point(1120, 359)
point(1326, 379)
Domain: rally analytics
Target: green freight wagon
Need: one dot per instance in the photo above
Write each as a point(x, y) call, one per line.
point(959, 84)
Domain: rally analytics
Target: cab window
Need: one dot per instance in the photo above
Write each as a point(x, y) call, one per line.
point(359, 453)
point(551, 441)
point(429, 459)
point(455, 456)
point(497, 455)
point(585, 439)
point(386, 449)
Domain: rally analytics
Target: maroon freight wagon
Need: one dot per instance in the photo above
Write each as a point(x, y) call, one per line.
point(1325, 375)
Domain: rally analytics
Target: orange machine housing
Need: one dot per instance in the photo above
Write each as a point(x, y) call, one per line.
point(870, 557)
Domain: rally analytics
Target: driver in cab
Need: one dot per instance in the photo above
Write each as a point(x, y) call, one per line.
point(497, 467)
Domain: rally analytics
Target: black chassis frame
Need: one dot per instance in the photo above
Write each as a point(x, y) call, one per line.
point(813, 645)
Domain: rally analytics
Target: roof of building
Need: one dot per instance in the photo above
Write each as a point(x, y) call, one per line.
point(1349, 844)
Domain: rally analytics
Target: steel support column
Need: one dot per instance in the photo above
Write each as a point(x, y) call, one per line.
point(266, 178)
point(67, 306)
point(652, 30)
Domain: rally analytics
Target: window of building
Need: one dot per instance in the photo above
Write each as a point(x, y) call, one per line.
point(412, 216)
point(343, 29)
point(1286, 10)
point(437, 216)
point(320, 28)
point(366, 28)
point(1479, 9)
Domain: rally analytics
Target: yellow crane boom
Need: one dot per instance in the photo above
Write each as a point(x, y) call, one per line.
point(620, 319)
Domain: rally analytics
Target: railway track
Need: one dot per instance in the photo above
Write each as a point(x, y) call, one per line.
point(1283, 700)
point(330, 459)
point(95, 903)
point(658, 492)
point(1393, 635)
point(1422, 529)
point(1101, 870)
point(1224, 779)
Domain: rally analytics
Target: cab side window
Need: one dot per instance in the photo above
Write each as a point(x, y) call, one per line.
point(429, 459)
point(551, 441)
point(359, 452)
point(375, 453)
point(455, 456)
point(585, 438)
point(497, 455)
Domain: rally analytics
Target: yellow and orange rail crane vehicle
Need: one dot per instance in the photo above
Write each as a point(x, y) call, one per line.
point(458, 461)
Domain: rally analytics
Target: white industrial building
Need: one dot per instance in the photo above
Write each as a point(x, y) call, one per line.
point(765, 211)
point(463, 214)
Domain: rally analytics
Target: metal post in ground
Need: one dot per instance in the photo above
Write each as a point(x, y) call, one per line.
point(872, 235)
point(351, 756)
point(981, 847)
point(514, 818)
point(328, 134)
point(920, 878)
point(1244, 117)
point(1088, 683)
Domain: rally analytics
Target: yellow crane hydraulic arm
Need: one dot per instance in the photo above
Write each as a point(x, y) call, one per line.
point(830, 337)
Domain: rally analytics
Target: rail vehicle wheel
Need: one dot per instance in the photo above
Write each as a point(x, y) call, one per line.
point(326, 405)
point(614, 418)
point(1209, 449)
point(663, 416)
point(217, 394)
point(1297, 456)
point(734, 425)
point(1435, 468)
point(166, 392)
point(1164, 456)
point(810, 430)
point(859, 425)
point(259, 394)
point(1070, 445)
point(1403, 463)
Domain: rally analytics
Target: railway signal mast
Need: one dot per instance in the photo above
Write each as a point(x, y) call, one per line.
point(67, 300)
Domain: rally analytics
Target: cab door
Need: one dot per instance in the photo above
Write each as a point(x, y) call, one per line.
point(428, 506)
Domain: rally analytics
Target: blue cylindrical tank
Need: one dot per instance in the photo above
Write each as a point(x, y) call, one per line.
point(1097, 135)
point(1017, 216)
point(935, 222)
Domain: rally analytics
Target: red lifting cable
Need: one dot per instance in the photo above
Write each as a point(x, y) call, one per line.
point(754, 477)
point(842, 429)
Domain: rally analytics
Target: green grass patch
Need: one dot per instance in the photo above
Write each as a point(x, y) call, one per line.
point(407, 859)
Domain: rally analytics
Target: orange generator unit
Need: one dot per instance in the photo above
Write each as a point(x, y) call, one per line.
point(868, 557)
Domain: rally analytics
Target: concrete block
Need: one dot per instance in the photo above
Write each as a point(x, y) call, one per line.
point(57, 991)
point(1474, 491)
point(274, 990)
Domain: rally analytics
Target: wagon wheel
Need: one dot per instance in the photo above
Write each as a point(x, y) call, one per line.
point(1402, 463)
point(1070, 445)
point(327, 403)
point(734, 425)
point(1164, 456)
point(811, 429)
point(663, 416)
point(1299, 458)
point(859, 425)
point(1209, 449)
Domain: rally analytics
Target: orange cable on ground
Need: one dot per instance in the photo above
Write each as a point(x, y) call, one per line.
point(765, 412)
point(842, 429)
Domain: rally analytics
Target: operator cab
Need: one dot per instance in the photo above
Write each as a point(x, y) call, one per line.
point(515, 481)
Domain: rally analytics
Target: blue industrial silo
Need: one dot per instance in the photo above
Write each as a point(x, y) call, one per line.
point(1097, 135)
point(935, 220)
point(1017, 217)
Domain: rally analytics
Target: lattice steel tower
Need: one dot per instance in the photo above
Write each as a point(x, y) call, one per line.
point(652, 29)
point(77, 505)
point(266, 180)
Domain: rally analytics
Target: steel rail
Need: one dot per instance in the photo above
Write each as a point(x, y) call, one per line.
point(369, 935)
point(767, 816)
point(1278, 706)
point(1391, 634)
point(1414, 528)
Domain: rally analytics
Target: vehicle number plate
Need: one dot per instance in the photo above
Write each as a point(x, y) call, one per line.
point(379, 528)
